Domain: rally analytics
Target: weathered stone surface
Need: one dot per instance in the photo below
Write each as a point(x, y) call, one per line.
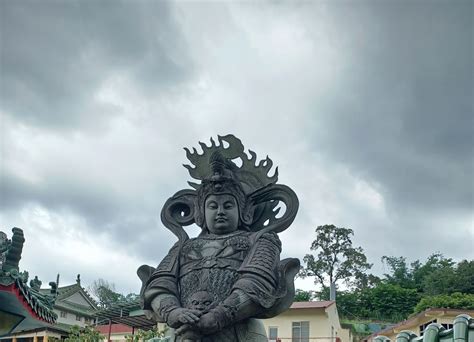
point(215, 286)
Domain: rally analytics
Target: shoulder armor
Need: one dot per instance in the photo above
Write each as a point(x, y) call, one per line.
point(169, 261)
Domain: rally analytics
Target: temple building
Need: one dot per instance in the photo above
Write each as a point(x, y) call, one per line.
point(22, 307)
point(443, 320)
point(74, 305)
point(29, 313)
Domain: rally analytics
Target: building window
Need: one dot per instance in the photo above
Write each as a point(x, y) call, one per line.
point(78, 318)
point(272, 333)
point(424, 326)
point(447, 326)
point(63, 314)
point(300, 331)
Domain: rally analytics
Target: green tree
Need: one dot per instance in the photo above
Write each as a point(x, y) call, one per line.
point(349, 305)
point(86, 334)
point(464, 277)
point(436, 276)
point(400, 273)
point(388, 302)
point(303, 296)
point(453, 301)
point(336, 258)
point(106, 295)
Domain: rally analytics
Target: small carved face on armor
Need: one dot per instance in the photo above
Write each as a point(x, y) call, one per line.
point(201, 301)
point(221, 214)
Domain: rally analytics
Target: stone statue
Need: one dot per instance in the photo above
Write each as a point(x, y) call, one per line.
point(214, 287)
point(36, 283)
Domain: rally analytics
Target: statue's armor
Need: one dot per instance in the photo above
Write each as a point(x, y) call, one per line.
point(211, 263)
point(217, 264)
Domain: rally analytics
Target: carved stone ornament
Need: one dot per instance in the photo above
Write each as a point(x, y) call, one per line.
point(215, 286)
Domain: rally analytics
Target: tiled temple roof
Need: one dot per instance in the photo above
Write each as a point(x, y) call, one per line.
point(65, 292)
point(462, 331)
point(14, 283)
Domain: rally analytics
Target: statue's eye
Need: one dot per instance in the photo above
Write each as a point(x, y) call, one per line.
point(228, 205)
point(212, 205)
point(195, 302)
point(207, 303)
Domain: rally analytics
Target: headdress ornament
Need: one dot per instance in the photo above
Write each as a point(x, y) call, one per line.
point(256, 191)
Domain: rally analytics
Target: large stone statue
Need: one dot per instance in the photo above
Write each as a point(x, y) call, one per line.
point(214, 287)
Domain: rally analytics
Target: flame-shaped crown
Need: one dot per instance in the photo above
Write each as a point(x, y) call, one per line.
point(249, 174)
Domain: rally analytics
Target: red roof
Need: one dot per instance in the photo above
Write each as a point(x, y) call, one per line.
point(312, 305)
point(116, 329)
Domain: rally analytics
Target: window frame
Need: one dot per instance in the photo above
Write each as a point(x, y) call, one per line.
point(301, 326)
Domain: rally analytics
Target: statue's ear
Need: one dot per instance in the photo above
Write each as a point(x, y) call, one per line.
point(178, 211)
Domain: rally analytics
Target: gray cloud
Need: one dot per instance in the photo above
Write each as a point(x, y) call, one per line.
point(403, 117)
point(366, 108)
point(56, 56)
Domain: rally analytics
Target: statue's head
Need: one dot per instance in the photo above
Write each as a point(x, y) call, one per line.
point(235, 192)
point(222, 204)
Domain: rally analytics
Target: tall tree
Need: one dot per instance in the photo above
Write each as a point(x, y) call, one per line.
point(465, 277)
point(104, 292)
point(336, 259)
point(399, 272)
point(303, 296)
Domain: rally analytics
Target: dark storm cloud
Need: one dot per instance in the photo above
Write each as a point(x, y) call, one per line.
point(56, 55)
point(402, 117)
point(366, 107)
point(97, 204)
point(131, 225)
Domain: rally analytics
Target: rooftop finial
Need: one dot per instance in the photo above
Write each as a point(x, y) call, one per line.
point(78, 279)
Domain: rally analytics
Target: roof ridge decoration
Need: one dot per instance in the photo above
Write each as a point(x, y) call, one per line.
point(463, 328)
point(15, 283)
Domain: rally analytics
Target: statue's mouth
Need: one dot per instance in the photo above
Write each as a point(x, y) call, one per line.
point(221, 219)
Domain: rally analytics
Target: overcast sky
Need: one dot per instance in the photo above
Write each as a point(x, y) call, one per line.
point(366, 107)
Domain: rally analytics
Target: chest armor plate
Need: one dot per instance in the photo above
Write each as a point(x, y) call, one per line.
point(209, 264)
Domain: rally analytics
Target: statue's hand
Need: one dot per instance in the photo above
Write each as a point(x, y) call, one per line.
point(208, 323)
point(188, 332)
point(180, 316)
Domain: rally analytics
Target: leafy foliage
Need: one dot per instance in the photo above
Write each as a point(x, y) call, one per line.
point(465, 277)
point(404, 289)
point(456, 300)
point(438, 275)
point(336, 258)
point(145, 335)
point(303, 296)
point(386, 302)
point(106, 295)
point(86, 334)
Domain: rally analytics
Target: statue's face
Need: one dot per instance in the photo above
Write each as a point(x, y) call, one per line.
point(221, 213)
